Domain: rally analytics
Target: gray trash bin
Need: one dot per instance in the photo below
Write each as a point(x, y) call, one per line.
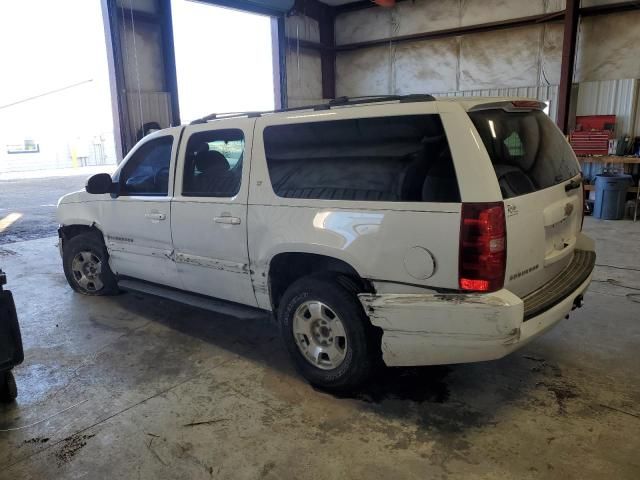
point(611, 193)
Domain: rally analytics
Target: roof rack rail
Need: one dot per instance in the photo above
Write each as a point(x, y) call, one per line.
point(336, 102)
point(415, 97)
point(215, 116)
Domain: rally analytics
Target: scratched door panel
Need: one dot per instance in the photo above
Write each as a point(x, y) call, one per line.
point(140, 246)
point(209, 210)
point(212, 257)
point(137, 223)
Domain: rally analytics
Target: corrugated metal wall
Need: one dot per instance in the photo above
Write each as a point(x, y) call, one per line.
point(606, 97)
point(545, 93)
point(611, 97)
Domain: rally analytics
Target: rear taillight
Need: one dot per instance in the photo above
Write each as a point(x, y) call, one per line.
point(483, 247)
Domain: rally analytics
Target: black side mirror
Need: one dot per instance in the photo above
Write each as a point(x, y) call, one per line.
point(99, 183)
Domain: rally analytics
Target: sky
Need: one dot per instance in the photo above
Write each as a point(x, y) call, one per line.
point(46, 45)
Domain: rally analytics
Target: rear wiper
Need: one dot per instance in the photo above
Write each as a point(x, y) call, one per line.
point(572, 185)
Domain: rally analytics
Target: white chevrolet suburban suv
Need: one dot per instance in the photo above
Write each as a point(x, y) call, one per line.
point(418, 230)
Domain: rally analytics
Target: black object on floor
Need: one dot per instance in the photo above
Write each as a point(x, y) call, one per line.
point(11, 353)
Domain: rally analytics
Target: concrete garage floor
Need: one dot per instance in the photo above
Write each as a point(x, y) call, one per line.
point(137, 387)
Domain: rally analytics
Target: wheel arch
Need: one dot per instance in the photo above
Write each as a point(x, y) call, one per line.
point(286, 267)
point(67, 232)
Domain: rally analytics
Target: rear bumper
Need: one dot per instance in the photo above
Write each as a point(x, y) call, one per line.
point(435, 329)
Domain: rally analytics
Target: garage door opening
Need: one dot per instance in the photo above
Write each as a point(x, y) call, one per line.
point(54, 97)
point(223, 60)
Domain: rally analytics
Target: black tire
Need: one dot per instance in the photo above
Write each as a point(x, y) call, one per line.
point(89, 242)
point(361, 349)
point(8, 387)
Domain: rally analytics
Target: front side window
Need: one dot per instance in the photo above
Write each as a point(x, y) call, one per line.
point(147, 171)
point(394, 159)
point(213, 163)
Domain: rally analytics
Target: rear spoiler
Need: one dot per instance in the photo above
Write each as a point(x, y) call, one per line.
point(511, 106)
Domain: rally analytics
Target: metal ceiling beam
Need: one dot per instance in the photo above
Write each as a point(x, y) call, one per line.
point(295, 43)
point(313, 9)
point(584, 11)
point(361, 5)
point(607, 9)
point(452, 32)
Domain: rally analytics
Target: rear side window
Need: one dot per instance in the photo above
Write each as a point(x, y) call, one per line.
point(395, 159)
point(527, 150)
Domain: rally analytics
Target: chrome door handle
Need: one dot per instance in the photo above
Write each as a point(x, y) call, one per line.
point(155, 216)
point(227, 220)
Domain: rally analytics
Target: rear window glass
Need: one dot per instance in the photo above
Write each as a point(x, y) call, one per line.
point(528, 152)
point(396, 159)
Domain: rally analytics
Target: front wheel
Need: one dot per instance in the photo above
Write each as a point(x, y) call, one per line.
point(327, 333)
point(86, 265)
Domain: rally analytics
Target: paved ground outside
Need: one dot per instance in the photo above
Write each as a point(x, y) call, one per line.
point(28, 205)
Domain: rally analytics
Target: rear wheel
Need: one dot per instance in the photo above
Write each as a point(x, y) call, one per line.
point(86, 265)
point(327, 333)
point(8, 388)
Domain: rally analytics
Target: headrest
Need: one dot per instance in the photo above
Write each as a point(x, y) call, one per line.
point(211, 160)
point(513, 181)
point(440, 180)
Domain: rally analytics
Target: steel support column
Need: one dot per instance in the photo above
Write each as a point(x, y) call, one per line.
point(572, 14)
point(328, 54)
point(325, 16)
point(119, 107)
point(170, 74)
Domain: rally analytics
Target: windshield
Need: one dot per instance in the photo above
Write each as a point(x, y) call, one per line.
point(528, 152)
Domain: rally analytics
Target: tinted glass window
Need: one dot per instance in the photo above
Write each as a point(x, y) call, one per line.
point(396, 159)
point(213, 163)
point(527, 150)
point(147, 171)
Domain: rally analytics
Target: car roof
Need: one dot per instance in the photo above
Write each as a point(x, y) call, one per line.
point(467, 103)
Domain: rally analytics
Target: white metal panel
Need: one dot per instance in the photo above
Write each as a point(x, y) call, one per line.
point(610, 97)
point(302, 27)
point(362, 234)
point(304, 75)
point(607, 47)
